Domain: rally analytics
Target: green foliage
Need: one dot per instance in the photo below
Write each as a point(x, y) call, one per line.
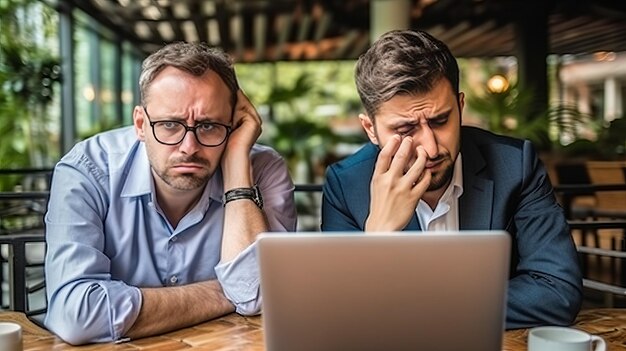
point(509, 113)
point(300, 100)
point(28, 74)
point(289, 95)
point(610, 144)
point(297, 134)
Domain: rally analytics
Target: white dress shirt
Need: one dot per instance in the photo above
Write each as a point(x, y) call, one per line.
point(445, 217)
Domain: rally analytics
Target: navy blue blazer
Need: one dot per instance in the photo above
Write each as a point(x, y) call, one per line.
point(505, 186)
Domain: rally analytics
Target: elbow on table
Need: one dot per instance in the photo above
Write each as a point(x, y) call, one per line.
point(77, 331)
point(251, 308)
point(71, 333)
point(571, 310)
point(565, 311)
point(573, 302)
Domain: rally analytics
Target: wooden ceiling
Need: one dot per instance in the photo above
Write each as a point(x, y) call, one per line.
point(272, 30)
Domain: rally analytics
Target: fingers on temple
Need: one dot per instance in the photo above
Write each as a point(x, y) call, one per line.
point(242, 98)
point(245, 108)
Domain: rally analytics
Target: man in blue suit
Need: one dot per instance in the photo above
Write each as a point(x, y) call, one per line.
point(424, 171)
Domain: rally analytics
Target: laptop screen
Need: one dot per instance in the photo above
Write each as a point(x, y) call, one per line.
point(387, 291)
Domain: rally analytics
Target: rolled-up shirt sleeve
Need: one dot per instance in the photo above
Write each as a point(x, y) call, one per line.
point(240, 278)
point(272, 176)
point(86, 312)
point(240, 281)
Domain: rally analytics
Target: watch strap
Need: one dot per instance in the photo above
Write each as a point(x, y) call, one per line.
point(244, 193)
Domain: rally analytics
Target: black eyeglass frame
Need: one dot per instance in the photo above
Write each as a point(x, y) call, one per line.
point(187, 129)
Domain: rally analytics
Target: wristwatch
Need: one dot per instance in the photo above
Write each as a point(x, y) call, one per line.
point(253, 194)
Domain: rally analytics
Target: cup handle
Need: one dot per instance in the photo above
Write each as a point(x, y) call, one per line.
point(599, 343)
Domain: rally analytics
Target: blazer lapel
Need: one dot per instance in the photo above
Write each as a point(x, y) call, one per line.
point(476, 203)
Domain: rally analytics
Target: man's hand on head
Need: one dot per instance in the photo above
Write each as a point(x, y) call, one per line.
point(246, 125)
point(398, 183)
point(246, 129)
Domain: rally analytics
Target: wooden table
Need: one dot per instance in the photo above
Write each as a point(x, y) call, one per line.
point(234, 332)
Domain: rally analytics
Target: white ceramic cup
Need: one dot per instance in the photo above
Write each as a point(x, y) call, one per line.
point(563, 339)
point(10, 336)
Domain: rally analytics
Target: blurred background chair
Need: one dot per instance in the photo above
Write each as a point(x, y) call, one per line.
point(605, 282)
point(581, 203)
point(22, 240)
point(23, 279)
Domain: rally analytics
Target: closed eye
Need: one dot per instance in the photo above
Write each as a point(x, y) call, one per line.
point(438, 122)
point(405, 129)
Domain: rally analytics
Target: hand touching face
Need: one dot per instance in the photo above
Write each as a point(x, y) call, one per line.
point(400, 179)
point(246, 130)
point(420, 138)
point(432, 119)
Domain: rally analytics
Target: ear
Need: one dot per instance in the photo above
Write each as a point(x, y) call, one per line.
point(138, 122)
point(369, 127)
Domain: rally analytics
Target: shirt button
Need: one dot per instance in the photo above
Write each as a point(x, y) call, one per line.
point(174, 238)
point(173, 279)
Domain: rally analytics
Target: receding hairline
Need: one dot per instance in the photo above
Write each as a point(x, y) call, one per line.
point(193, 58)
point(185, 73)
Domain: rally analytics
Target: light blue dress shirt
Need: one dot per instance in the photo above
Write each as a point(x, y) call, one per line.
point(107, 237)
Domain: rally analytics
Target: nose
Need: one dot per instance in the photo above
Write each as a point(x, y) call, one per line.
point(428, 140)
point(190, 144)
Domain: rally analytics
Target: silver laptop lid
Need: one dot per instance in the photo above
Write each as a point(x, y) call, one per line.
point(393, 291)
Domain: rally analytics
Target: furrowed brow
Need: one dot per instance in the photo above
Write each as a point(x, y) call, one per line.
point(440, 116)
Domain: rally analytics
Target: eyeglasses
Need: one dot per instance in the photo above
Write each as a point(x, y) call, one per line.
point(208, 134)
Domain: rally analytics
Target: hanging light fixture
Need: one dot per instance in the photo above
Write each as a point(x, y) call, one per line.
point(497, 84)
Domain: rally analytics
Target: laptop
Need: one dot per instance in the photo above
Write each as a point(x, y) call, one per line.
point(388, 291)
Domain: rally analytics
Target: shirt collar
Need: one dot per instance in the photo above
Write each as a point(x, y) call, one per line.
point(139, 177)
point(455, 188)
point(216, 186)
point(457, 178)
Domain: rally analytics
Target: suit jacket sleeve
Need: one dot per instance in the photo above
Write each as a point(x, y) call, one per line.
point(546, 283)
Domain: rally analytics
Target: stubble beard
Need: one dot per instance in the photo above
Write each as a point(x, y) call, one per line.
point(185, 181)
point(442, 178)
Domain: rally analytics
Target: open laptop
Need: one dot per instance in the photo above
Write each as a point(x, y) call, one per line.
point(395, 291)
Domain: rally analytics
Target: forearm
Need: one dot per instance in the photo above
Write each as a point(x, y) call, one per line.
point(171, 308)
point(243, 219)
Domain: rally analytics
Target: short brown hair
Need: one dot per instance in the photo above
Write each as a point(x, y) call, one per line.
point(194, 58)
point(403, 62)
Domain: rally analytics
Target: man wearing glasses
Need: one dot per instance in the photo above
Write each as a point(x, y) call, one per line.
point(150, 227)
